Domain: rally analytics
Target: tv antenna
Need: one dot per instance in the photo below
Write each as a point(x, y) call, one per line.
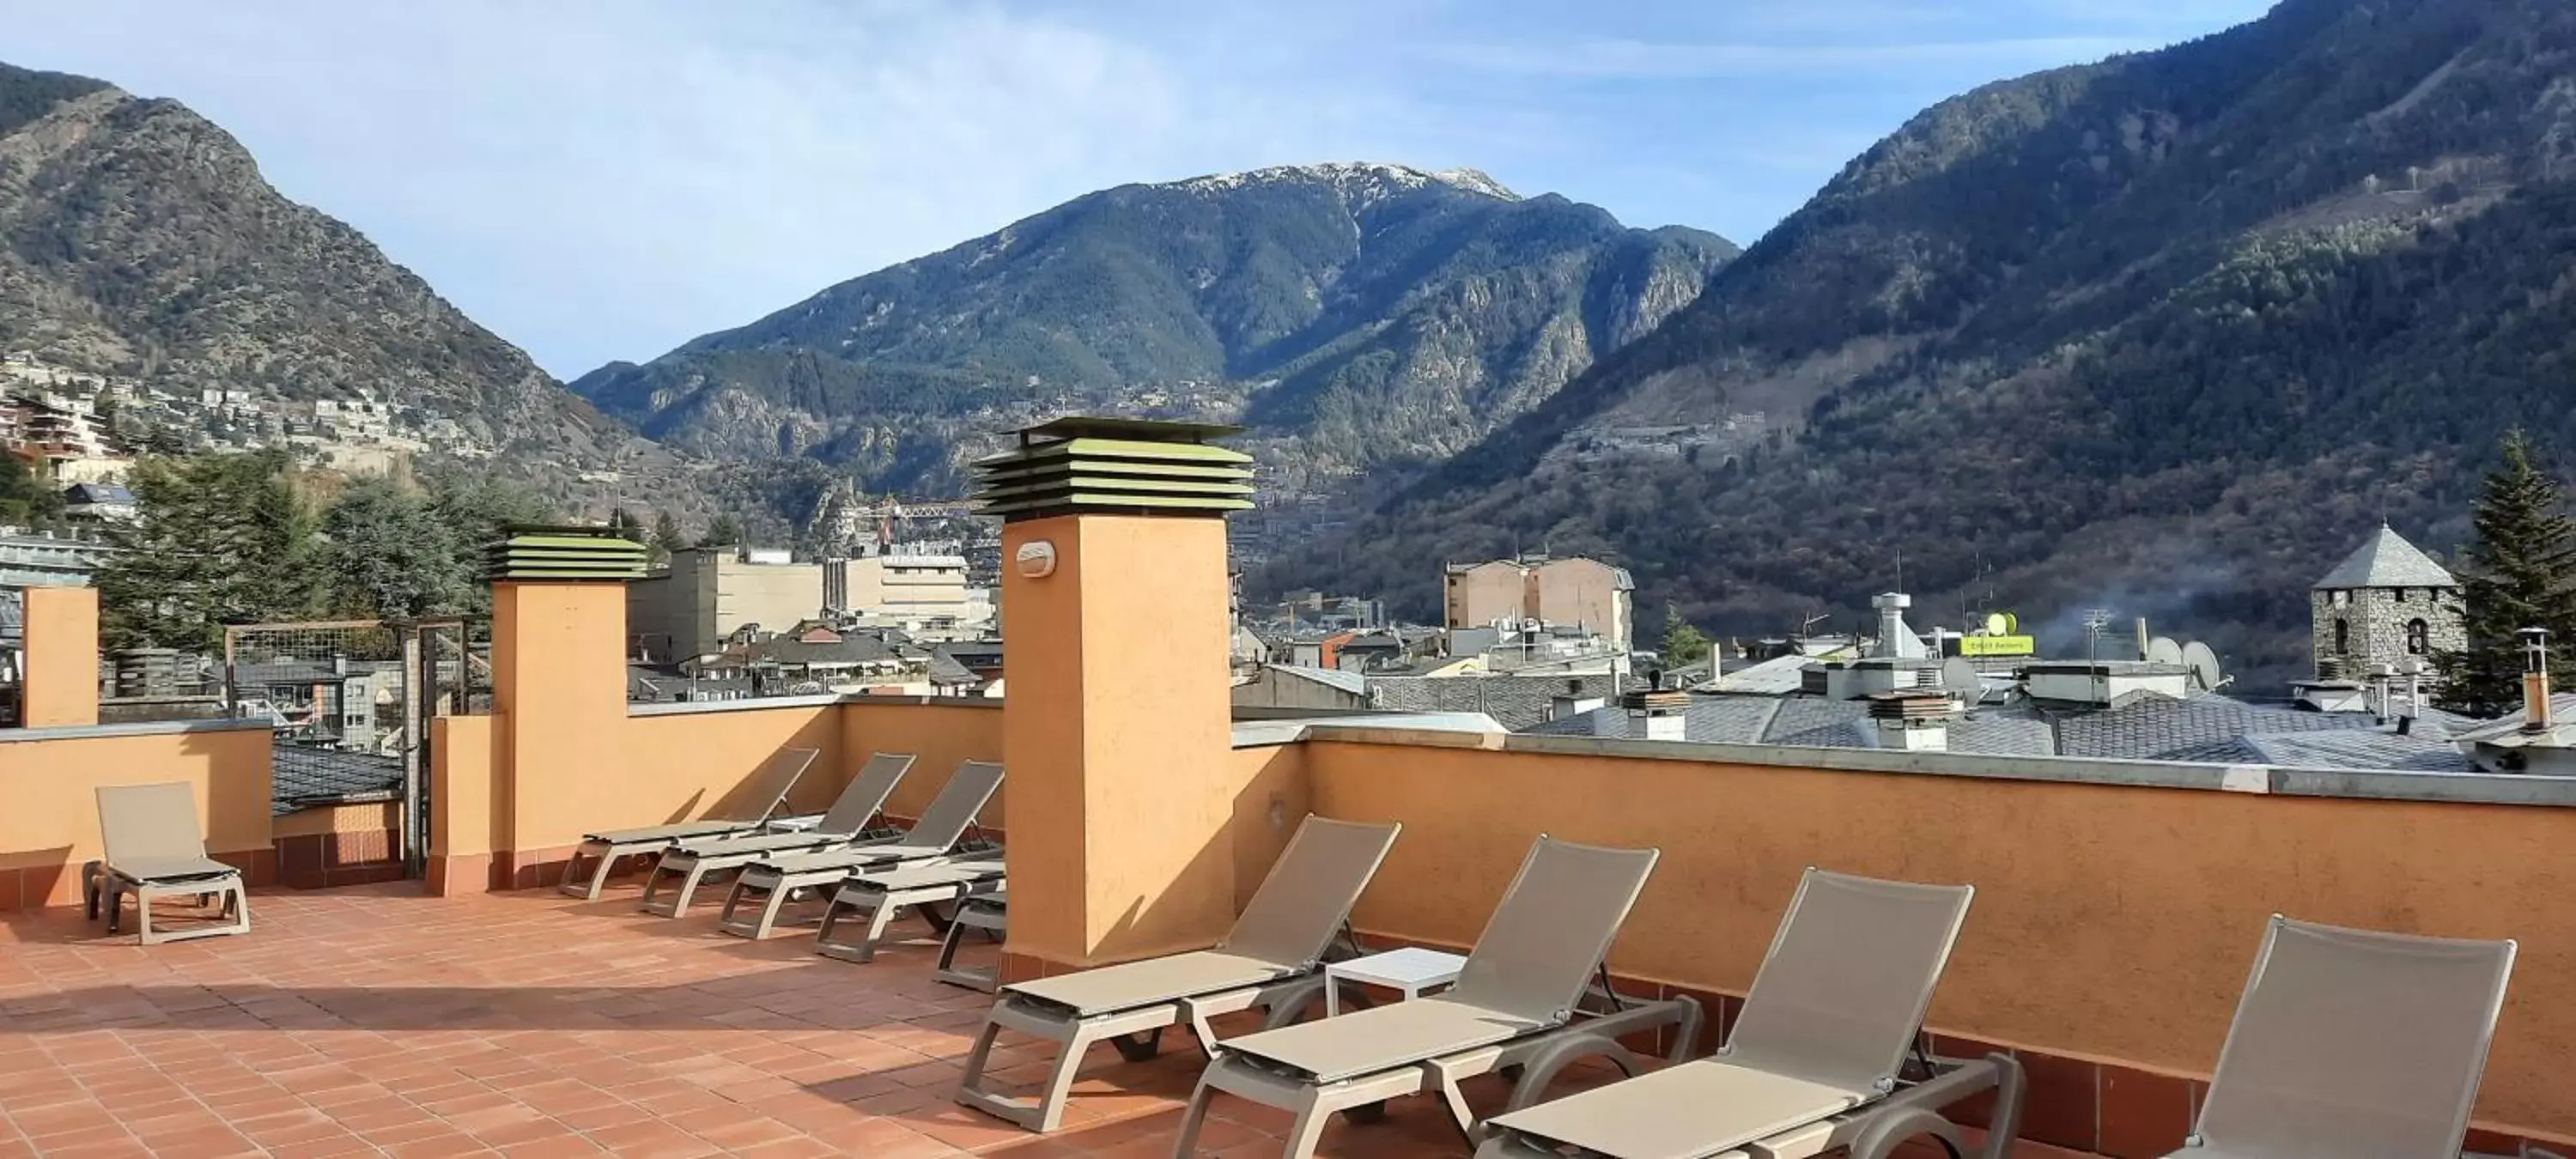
point(2095, 621)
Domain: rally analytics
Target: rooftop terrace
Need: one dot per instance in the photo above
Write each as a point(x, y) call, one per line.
point(371, 1020)
point(2118, 903)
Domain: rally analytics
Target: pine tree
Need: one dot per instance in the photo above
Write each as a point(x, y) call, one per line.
point(666, 538)
point(389, 555)
point(722, 531)
point(218, 539)
point(2518, 576)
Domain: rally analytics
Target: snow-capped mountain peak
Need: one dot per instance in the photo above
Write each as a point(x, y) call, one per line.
point(1362, 181)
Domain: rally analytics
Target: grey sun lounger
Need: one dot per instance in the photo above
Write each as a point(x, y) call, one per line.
point(2354, 1044)
point(760, 800)
point(848, 823)
point(1268, 960)
point(987, 912)
point(1521, 1000)
point(155, 849)
point(1817, 1058)
point(857, 917)
point(779, 878)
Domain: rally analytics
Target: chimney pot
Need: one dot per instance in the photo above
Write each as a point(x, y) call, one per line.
point(2535, 680)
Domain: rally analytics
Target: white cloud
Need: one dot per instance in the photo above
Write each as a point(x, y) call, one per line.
point(608, 179)
point(601, 179)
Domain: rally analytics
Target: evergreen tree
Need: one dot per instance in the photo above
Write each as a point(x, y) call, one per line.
point(623, 524)
point(2517, 577)
point(666, 538)
point(722, 531)
point(217, 539)
point(476, 513)
point(27, 499)
point(389, 555)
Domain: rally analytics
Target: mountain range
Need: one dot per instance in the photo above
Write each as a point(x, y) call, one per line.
point(1355, 316)
point(2165, 335)
point(139, 240)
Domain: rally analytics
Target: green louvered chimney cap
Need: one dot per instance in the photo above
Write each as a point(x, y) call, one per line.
point(1116, 466)
point(560, 554)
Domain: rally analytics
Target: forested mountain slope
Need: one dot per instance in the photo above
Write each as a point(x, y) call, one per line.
point(2167, 334)
point(1354, 315)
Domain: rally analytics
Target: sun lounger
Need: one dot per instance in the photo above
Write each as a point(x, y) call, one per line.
point(1817, 1059)
point(882, 895)
point(154, 850)
point(777, 879)
point(990, 913)
point(1520, 1001)
point(759, 800)
point(848, 823)
point(2354, 1044)
point(1269, 960)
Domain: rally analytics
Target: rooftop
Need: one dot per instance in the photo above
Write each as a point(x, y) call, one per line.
point(2205, 728)
point(2386, 560)
point(370, 1020)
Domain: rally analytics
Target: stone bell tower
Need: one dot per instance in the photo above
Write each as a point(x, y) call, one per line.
point(2386, 603)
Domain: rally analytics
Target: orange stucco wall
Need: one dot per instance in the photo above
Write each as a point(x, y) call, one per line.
point(49, 810)
point(558, 675)
point(464, 767)
point(1117, 734)
point(683, 765)
point(2110, 922)
point(385, 817)
point(62, 657)
point(1272, 793)
point(939, 736)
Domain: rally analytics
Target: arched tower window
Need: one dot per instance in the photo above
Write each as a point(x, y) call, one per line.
point(2343, 638)
point(2419, 637)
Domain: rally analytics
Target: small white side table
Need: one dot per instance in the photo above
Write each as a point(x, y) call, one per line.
point(1410, 970)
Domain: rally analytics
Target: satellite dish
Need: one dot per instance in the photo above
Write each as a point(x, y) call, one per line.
point(2012, 624)
point(1959, 674)
point(1998, 624)
point(2163, 650)
point(2203, 664)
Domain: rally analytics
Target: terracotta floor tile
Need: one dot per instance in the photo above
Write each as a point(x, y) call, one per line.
point(372, 1020)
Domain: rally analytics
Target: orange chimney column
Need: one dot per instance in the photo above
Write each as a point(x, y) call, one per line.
point(61, 679)
point(1117, 729)
point(1116, 733)
point(559, 699)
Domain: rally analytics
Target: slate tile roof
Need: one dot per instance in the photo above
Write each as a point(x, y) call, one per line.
point(2386, 560)
point(301, 777)
point(1518, 702)
point(2204, 728)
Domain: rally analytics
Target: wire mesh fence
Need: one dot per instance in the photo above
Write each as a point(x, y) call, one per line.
point(335, 694)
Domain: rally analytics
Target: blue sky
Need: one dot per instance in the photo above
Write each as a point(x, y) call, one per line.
point(599, 179)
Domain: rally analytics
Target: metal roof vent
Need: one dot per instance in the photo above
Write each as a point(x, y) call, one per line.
point(1116, 466)
point(551, 554)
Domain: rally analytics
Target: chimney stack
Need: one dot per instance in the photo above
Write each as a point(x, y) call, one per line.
point(1912, 721)
point(2535, 680)
point(1572, 702)
point(1657, 714)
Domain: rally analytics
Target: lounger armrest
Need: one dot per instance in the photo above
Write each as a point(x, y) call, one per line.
point(804, 824)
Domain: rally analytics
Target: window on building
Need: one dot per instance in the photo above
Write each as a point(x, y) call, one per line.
point(2401, 595)
point(2419, 637)
point(2343, 637)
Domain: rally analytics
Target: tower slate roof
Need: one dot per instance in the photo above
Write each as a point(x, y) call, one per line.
point(2386, 560)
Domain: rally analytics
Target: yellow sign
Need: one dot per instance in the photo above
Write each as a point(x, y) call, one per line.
point(1997, 646)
